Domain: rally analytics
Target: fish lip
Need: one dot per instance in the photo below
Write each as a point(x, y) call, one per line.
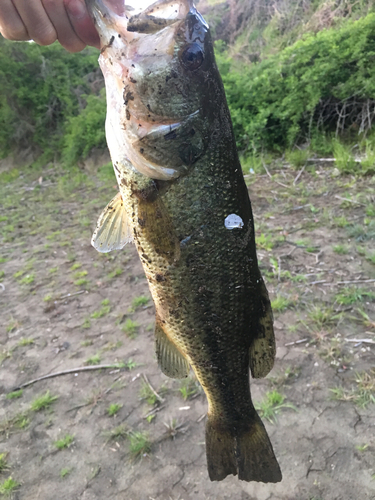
point(106, 17)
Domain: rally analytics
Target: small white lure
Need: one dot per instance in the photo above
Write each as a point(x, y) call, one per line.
point(233, 221)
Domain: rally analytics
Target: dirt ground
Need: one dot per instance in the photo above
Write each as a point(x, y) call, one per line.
point(64, 306)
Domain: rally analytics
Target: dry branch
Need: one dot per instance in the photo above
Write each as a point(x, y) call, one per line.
point(67, 372)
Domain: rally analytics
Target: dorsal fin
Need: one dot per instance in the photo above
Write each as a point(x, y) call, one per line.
point(112, 230)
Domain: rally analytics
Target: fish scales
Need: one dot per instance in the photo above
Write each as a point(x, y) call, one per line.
point(186, 206)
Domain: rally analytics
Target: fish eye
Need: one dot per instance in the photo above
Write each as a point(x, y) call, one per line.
point(192, 56)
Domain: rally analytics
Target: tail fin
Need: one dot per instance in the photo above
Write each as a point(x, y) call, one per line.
point(247, 453)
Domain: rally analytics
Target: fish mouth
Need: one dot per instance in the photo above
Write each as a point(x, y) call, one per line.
point(113, 16)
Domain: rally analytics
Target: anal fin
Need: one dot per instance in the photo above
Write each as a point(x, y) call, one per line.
point(172, 363)
point(263, 347)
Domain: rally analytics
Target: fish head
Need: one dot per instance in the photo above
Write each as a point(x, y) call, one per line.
point(158, 66)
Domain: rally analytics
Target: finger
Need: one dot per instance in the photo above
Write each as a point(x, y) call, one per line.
point(81, 22)
point(60, 20)
point(11, 25)
point(37, 22)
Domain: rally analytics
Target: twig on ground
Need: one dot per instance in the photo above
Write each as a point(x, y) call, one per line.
point(355, 281)
point(154, 410)
point(66, 372)
point(301, 341)
point(350, 201)
point(299, 175)
point(152, 389)
point(71, 295)
point(358, 341)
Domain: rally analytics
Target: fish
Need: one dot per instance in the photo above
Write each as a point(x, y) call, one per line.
point(184, 202)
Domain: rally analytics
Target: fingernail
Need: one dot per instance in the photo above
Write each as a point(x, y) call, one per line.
point(76, 9)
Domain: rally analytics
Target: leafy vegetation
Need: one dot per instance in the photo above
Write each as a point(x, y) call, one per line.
point(319, 85)
point(296, 75)
point(43, 91)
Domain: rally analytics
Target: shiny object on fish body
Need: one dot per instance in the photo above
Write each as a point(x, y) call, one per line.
point(172, 145)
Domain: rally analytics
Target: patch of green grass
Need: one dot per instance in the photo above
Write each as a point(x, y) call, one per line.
point(344, 160)
point(113, 409)
point(86, 323)
point(281, 303)
point(112, 346)
point(65, 472)
point(21, 421)
point(340, 249)
point(341, 221)
point(14, 394)
point(80, 274)
point(370, 210)
point(43, 402)
point(53, 270)
point(271, 405)
point(365, 318)
point(298, 157)
point(5, 354)
point(116, 272)
point(9, 176)
point(103, 311)
point(28, 279)
point(189, 387)
point(81, 282)
point(25, 341)
point(365, 391)
point(86, 343)
point(65, 442)
point(8, 487)
point(147, 393)
point(363, 394)
point(264, 241)
point(2, 274)
point(93, 360)
point(370, 257)
point(352, 294)
point(119, 432)
point(362, 233)
point(47, 298)
point(3, 462)
point(362, 447)
point(12, 325)
point(139, 444)
point(322, 315)
point(3, 260)
point(76, 266)
point(130, 328)
point(138, 302)
point(130, 364)
point(53, 236)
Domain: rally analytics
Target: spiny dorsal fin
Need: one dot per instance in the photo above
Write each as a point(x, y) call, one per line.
point(112, 230)
point(263, 347)
point(171, 361)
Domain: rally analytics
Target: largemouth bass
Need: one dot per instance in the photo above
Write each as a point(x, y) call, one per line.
point(184, 202)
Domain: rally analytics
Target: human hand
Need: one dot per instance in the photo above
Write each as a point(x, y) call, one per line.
point(46, 21)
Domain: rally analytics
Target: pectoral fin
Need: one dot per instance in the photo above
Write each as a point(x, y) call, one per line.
point(263, 347)
point(171, 361)
point(112, 230)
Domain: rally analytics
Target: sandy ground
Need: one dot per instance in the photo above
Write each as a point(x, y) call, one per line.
point(64, 306)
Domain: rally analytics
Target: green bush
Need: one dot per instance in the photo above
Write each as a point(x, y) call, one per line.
point(41, 89)
point(300, 92)
point(86, 130)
